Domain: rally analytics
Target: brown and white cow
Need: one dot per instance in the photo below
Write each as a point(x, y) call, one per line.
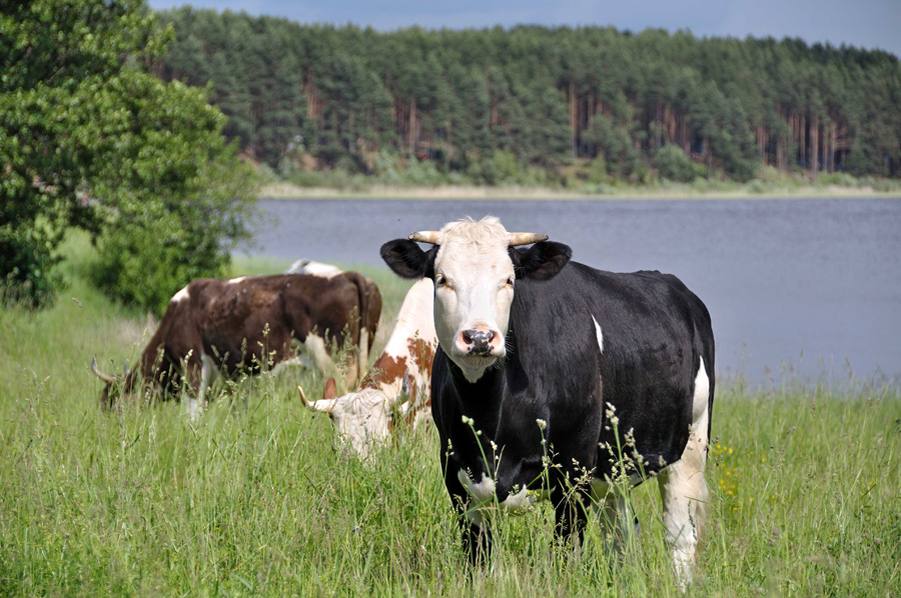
point(249, 324)
point(364, 418)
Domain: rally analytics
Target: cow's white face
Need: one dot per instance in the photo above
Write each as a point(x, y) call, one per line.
point(473, 265)
point(474, 281)
point(361, 418)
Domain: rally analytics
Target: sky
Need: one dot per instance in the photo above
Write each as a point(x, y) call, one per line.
point(868, 24)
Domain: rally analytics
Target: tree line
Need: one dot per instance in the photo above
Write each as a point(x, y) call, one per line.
point(322, 97)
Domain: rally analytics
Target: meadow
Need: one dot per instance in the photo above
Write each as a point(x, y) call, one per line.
point(257, 499)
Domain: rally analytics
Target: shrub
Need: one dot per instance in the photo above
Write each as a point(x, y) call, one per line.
point(143, 268)
point(672, 163)
point(26, 260)
point(597, 170)
point(757, 187)
point(423, 173)
point(840, 179)
point(506, 167)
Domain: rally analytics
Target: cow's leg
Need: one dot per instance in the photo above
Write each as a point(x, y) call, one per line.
point(363, 354)
point(200, 382)
point(613, 508)
point(571, 512)
point(351, 361)
point(476, 534)
point(208, 373)
point(619, 523)
point(474, 524)
point(316, 356)
point(683, 488)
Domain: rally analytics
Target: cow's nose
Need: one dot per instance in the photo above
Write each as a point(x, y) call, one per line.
point(478, 342)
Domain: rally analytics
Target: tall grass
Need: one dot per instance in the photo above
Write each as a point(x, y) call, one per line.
point(257, 499)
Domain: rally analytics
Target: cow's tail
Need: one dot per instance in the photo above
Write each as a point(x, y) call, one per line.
point(370, 302)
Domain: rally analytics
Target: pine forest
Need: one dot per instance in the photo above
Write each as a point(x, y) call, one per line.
point(479, 104)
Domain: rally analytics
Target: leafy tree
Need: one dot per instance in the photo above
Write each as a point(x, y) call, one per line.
point(90, 138)
point(615, 140)
point(466, 129)
point(544, 130)
point(734, 142)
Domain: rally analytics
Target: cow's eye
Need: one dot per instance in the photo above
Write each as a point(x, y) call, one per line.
point(440, 281)
point(510, 282)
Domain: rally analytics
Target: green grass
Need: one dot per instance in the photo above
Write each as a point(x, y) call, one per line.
point(257, 501)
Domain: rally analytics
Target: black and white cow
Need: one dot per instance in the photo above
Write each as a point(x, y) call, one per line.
point(546, 366)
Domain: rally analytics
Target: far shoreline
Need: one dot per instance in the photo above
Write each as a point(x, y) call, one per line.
point(287, 191)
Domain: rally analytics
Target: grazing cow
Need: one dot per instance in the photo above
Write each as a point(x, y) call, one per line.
point(363, 418)
point(249, 323)
point(551, 375)
point(323, 270)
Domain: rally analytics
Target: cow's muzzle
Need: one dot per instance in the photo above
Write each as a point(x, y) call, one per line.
point(478, 342)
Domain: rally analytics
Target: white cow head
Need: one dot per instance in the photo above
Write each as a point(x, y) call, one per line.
point(362, 419)
point(474, 268)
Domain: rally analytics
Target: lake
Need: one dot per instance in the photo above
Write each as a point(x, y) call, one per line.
point(800, 289)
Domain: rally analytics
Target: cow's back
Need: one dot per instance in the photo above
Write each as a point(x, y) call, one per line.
point(243, 317)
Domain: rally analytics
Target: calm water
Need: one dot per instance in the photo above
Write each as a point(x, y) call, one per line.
point(810, 288)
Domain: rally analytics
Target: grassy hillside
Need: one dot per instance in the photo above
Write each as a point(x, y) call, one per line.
point(258, 500)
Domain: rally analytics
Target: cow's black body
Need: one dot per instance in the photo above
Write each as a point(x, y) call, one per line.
point(654, 333)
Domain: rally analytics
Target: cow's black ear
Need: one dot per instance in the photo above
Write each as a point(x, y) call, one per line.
point(541, 261)
point(406, 258)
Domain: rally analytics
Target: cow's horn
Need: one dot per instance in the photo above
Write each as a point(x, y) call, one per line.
point(526, 238)
point(425, 236)
point(303, 396)
point(321, 406)
point(105, 377)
